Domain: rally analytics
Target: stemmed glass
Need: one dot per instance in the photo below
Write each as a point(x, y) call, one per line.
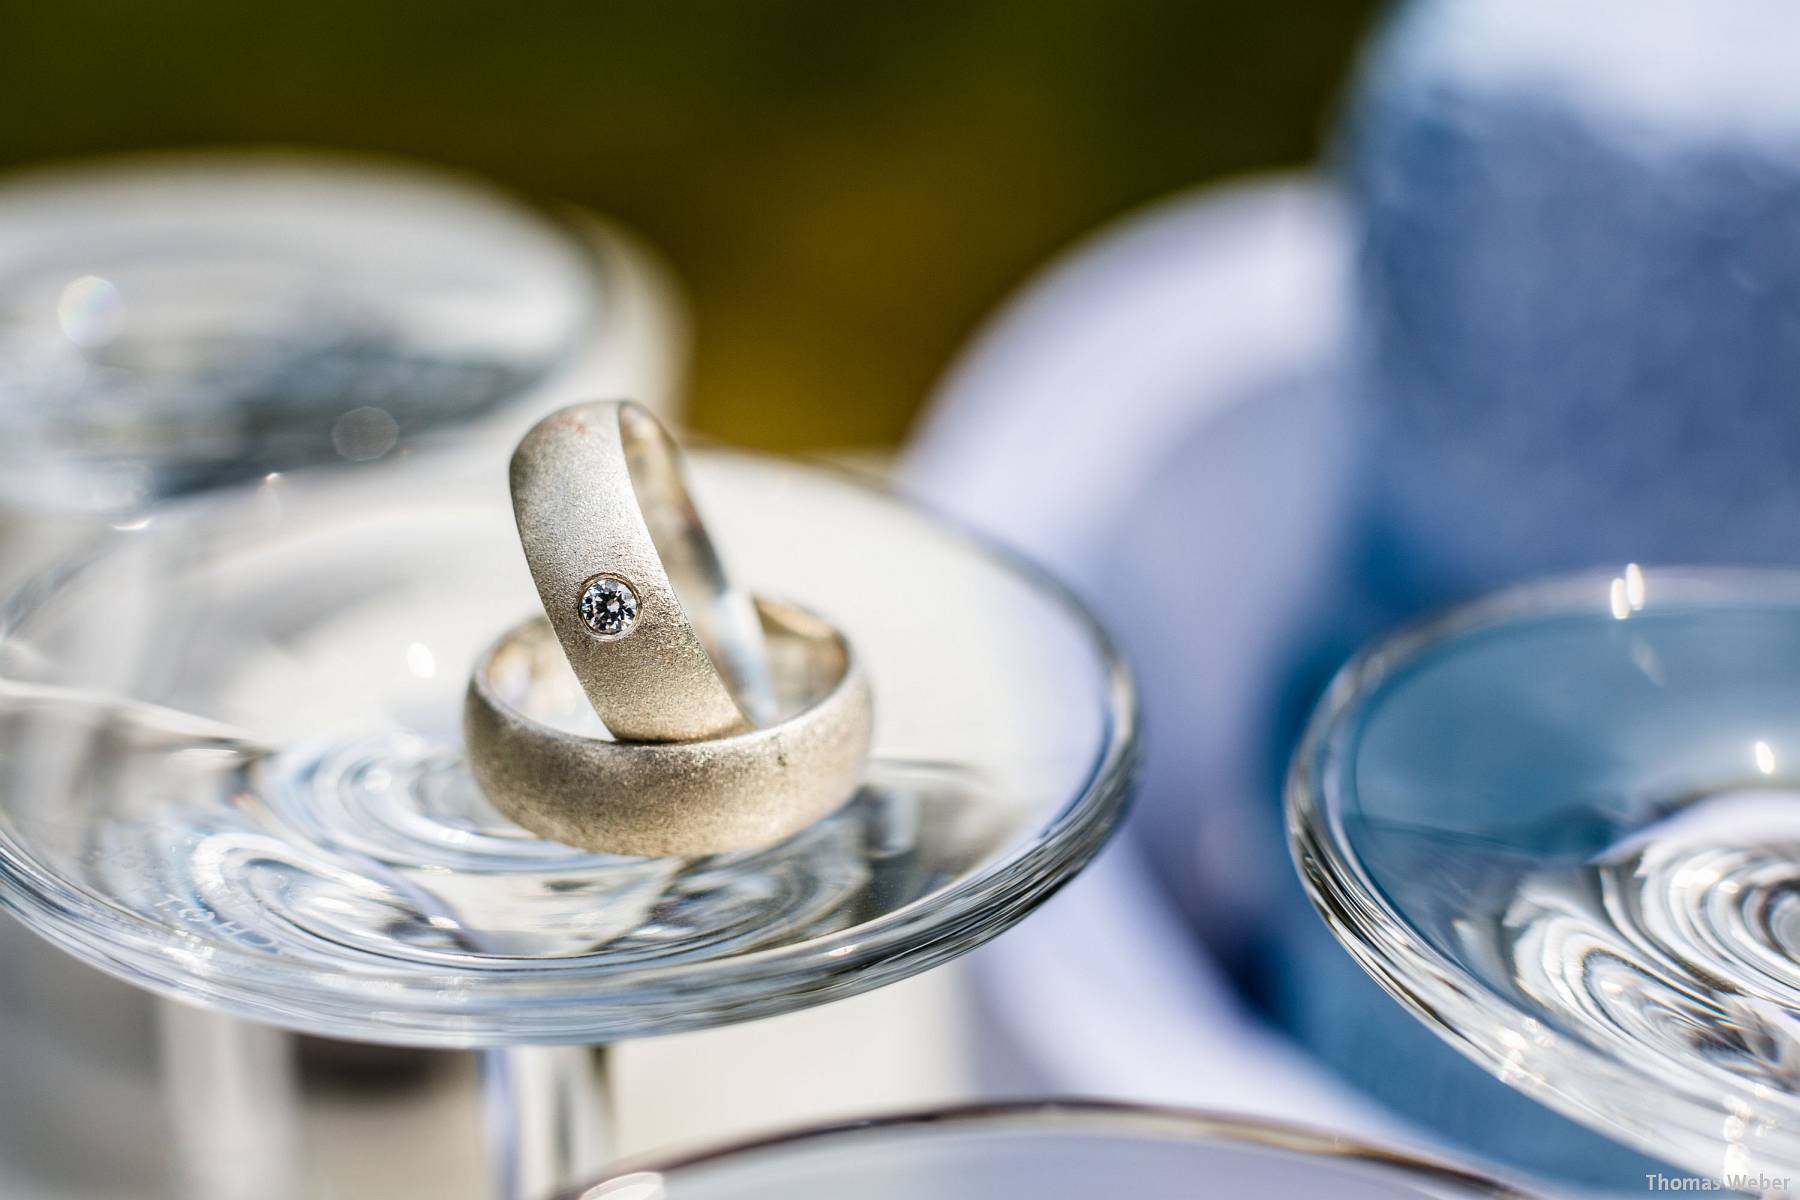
point(1560, 825)
point(175, 322)
point(233, 777)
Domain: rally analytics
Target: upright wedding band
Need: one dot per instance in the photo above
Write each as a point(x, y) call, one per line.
point(665, 648)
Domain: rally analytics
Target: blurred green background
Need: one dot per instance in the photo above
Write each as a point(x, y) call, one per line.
point(845, 190)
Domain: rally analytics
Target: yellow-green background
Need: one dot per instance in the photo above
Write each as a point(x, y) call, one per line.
point(844, 188)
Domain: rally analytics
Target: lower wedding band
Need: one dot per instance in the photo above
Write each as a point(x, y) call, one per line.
point(667, 799)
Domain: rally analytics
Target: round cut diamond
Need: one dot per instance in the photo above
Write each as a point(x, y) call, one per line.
point(608, 606)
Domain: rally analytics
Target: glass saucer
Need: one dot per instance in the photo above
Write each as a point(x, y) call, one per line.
point(170, 323)
point(1048, 1151)
point(1562, 825)
point(230, 772)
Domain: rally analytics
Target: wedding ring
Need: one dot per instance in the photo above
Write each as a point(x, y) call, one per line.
point(534, 749)
point(664, 647)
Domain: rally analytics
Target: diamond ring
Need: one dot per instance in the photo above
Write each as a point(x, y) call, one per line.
point(665, 648)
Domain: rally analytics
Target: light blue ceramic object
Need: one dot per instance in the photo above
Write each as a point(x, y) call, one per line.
point(1579, 286)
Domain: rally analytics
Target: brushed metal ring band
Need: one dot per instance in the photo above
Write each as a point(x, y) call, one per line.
point(667, 799)
point(665, 648)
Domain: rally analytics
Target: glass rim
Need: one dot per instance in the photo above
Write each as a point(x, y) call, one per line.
point(1085, 1116)
point(1454, 1004)
point(343, 166)
point(557, 1006)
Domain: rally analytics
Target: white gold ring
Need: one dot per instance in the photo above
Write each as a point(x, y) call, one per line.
point(530, 755)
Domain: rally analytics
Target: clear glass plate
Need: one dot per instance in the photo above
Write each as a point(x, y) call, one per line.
point(1563, 826)
point(1054, 1151)
point(229, 766)
point(171, 323)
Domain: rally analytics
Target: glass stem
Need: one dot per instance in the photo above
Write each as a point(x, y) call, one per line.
point(232, 1100)
point(549, 1117)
